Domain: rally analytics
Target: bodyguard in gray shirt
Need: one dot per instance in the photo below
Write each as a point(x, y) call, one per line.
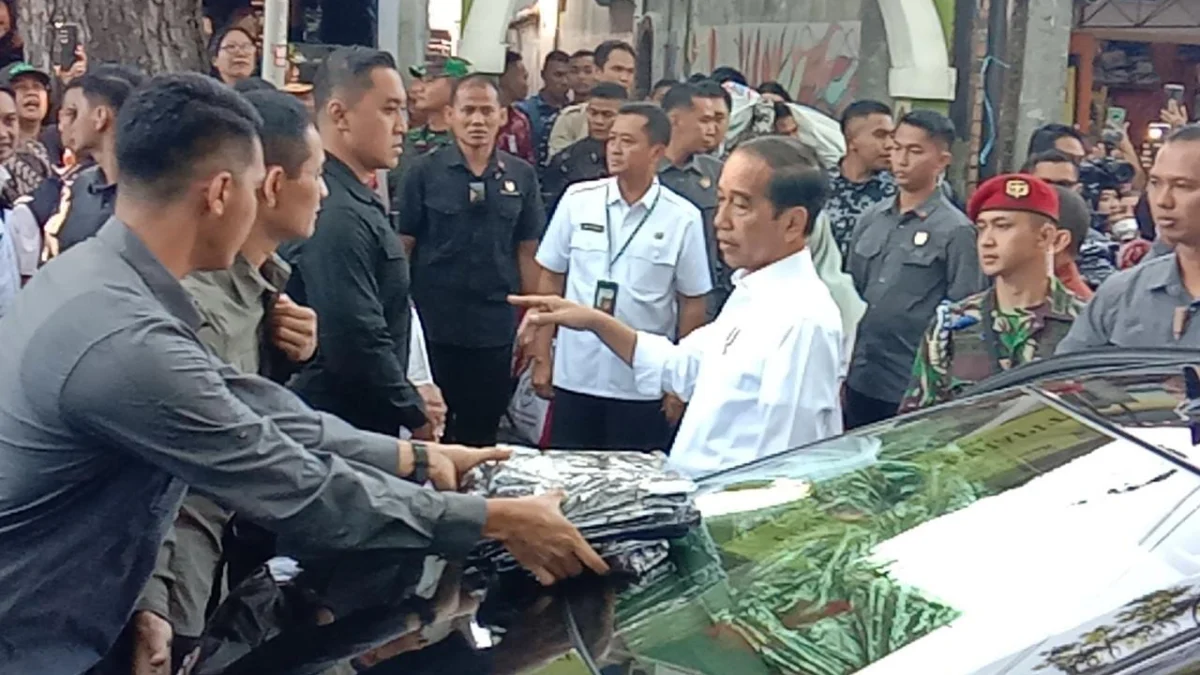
point(111, 405)
point(1155, 304)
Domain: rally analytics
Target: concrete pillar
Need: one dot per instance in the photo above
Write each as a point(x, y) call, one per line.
point(404, 31)
point(1043, 64)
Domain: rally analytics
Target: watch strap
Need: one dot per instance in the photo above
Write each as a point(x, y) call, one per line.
point(420, 474)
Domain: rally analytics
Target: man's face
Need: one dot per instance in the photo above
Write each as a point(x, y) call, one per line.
point(377, 121)
point(556, 78)
point(1072, 147)
point(721, 121)
point(1174, 193)
point(629, 146)
point(8, 126)
point(917, 160)
point(515, 82)
point(870, 139)
point(1010, 241)
point(750, 234)
point(74, 120)
point(1063, 174)
point(435, 94)
point(601, 113)
point(299, 196)
point(619, 69)
point(582, 75)
point(476, 115)
point(231, 208)
point(33, 101)
point(1108, 204)
point(694, 129)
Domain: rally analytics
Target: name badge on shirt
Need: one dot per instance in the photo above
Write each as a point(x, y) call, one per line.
point(606, 297)
point(509, 188)
point(477, 192)
point(592, 227)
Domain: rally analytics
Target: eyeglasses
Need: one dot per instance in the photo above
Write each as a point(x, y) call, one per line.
point(238, 48)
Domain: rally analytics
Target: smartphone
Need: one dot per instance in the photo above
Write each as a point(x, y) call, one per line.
point(66, 45)
point(1157, 131)
point(1174, 92)
point(1116, 117)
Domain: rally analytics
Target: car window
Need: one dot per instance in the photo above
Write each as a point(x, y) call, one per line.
point(958, 536)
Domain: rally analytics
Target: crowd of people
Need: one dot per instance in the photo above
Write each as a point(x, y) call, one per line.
point(230, 335)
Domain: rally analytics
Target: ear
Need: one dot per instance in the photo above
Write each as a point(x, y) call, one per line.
point(337, 112)
point(795, 223)
point(103, 118)
point(217, 192)
point(1060, 240)
point(272, 186)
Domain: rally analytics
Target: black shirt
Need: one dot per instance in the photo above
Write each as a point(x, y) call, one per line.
point(354, 274)
point(93, 200)
point(584, 160)
point(467, 230)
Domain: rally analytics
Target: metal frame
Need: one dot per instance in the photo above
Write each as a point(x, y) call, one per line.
point(1146, 12)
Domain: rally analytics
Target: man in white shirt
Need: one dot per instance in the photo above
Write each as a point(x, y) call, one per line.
point(763, 377)
point(630, 247)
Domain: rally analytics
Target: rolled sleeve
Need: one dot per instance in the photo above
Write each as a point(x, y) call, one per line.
point(659, 366)
point(461, 524)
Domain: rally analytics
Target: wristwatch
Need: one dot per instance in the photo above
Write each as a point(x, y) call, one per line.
point(420, 474)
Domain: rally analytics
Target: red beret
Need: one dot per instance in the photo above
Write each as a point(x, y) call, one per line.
point(1014, 192)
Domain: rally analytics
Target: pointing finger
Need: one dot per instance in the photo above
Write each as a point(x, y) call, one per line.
point(588, 556)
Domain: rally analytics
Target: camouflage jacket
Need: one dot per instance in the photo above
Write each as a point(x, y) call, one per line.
point(954, 352)
point(421, 140)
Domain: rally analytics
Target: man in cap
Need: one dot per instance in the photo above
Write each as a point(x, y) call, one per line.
point(438, 80)
point(31, 164)
point(1025, 313)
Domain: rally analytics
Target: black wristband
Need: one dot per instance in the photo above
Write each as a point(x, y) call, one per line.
point(420, 474)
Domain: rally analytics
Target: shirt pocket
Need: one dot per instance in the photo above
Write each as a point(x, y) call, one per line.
point(651, 270)
point(589, 257)
point(921, 269)
point(393, 273)
point(446, 236)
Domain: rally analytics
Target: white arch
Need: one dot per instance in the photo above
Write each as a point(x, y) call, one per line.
point(917, 45)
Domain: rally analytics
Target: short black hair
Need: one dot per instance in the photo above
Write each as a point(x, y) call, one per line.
point(1051, 156)
point(474, 80)
point(862, 110)
point(712, 89)
point(556, 56)
point(665, 83)
point(935, 124)
point(285, 125)
point(583, 54)
point(175, 123)
point(108, 84)
point(610, 91)
point(783, 111)
point(512, 58)
point(605, 50)
point(1046, 136)
point(658, 126)
point(1074, 216)
point(725, 74)
point(796, 175)
point(679, 97)
point(252, 84)
point(696, 78)
point(777, 89)
point(348, 69)
point(1187, 133)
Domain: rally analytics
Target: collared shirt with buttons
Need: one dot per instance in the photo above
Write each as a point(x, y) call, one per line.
point(113, 406)
point(904, 265)
point(87, 204)
point(235, 304)
point(848, 200)
point(541, 114)
point(353, 272)
point(468, 229)
point(1147, 306)
point(662, 260)
point(582, 161)
point(570, 126)
point(696, 181)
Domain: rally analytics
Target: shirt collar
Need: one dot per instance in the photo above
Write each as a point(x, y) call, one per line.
point(339, 172)
point(1062, 300)
point(117, 236)
point(614, 197)
point(690, 165)
point(100, 184)
point(924, 209)
point(250, 283)
point(799, 264)
point(1163, 274)
point(454, 157)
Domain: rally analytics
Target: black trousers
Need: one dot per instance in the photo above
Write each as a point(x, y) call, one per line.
point(477, 385)
point(582, 422)
point(862, 410)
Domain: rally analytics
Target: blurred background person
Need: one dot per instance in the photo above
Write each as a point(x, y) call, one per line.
point(582, 75)
point(542, 108)
point(660, 89)
point(233, 52)
point(12, 47)
point(774, 92)
point(516, 134)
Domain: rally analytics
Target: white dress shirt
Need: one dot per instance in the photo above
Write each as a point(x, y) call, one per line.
point(665, 258)
point(762, 378)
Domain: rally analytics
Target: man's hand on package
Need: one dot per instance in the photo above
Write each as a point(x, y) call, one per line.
point(435, 409)
point(448, 463)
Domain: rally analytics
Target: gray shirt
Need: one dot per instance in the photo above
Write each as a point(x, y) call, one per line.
point(904, 265)
point(111, 406)
point(1146, 306)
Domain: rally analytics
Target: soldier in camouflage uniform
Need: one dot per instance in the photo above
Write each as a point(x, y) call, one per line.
point(999, 329)
point(431, 100)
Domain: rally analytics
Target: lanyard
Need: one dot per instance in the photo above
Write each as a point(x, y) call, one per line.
point(610, 233)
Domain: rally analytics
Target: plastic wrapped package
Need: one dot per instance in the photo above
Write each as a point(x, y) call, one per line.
point(624, 503)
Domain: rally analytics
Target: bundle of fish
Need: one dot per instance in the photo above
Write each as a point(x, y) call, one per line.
point(624, 503)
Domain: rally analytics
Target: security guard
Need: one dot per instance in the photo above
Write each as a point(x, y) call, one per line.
point(471, 220)
point(1155, 304)
point(907, 255)
point(585, 160)
point(1021, 318)
point(687, 170)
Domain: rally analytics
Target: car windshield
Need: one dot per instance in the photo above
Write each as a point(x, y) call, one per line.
point(957, 536)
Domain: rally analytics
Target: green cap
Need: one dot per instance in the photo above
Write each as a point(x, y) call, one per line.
point(448, 67)
point(20, 68)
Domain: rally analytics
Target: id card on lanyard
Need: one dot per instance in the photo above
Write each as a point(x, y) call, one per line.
point(607, 289)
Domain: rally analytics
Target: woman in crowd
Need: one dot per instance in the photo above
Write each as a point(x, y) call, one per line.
point(233, 55)
point(12, 48)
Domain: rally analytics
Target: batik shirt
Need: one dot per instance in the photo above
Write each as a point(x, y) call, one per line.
point(954, 354)
point(848, 200)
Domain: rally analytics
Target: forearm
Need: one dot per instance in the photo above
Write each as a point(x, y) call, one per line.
point(529, 269)
point(692, 314)
point(549, 283)
point(618, 337)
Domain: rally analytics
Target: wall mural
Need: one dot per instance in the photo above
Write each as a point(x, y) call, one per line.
point(817, 62)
